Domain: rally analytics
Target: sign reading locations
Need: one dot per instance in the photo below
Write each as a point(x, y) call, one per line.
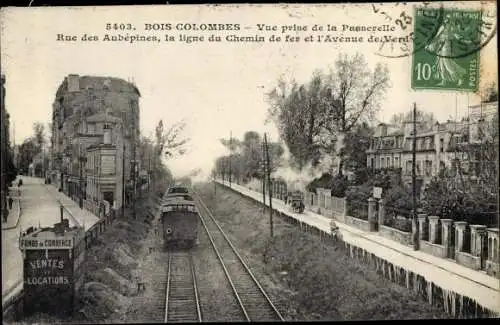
point(54, 270)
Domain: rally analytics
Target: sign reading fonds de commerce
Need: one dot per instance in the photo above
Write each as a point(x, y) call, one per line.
point(45, 243)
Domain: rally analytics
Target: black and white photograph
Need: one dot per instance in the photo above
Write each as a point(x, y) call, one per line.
point(249, 163)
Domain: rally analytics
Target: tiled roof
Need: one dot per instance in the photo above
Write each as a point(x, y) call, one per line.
point(100, 83)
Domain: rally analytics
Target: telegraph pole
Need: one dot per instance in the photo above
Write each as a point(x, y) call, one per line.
point(268, 170)
point(263, 165)
point(215, 188)
point(230, 153)
point(123, 178)
point(416, 235)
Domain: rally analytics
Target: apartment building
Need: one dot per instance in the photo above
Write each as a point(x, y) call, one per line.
point(88, 112)
point(444, 145)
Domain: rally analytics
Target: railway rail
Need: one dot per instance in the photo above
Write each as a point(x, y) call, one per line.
point(182, 302)
point(253, 301)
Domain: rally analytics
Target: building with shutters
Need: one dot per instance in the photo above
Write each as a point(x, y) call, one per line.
point(444, 145)
point(95, 118)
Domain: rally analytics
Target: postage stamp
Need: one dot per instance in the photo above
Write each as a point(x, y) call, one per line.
point(450, 60)
point(400, 16)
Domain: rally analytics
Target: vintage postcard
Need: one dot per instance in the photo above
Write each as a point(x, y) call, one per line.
point(286, 162)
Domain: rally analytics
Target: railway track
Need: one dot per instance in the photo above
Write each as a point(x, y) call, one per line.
point(252, 300)
point(182, 303)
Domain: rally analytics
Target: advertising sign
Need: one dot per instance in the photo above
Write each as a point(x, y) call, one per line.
point(45, 243)
point(44, 269)
point(377, 192)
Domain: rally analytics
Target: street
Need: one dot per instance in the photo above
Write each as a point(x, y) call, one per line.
point(39, 207)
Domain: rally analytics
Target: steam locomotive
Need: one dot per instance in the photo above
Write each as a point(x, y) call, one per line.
point(179, 218)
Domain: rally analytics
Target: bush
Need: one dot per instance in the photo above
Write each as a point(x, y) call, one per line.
point(357, 201)
point(325, 181)
point(400, 224)
point(340, 186)
point(399, 201)
point(447, 197)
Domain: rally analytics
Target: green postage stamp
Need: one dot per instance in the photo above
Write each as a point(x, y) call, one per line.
point(446, 49)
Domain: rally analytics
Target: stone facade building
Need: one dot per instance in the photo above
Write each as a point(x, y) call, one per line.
point(95, 118)
point(445, 145)
point(4, 140)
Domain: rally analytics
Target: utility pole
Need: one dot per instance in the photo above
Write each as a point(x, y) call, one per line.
point(123, 176)
point(230, 153)
point(215, 188)
point(268, 169)
point(263, 165)
point(416, 235)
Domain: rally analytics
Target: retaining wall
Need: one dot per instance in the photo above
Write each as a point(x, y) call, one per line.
point(453, 303)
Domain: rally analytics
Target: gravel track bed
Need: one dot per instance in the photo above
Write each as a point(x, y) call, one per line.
point(149, 306)
point(217, 300)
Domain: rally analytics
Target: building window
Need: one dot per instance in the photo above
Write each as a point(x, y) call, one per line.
point(382, 163)
point(441, 145)
point(408, 166)
point(396, 162)
point(389, 162)
point(428, 167)
point(372, 164)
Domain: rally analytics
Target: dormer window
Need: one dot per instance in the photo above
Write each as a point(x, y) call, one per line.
point(91, 128)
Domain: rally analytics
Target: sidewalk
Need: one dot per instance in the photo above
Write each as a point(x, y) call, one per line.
point(76, 215)
point(15, 212)
point(14, 216)
point(446, 274)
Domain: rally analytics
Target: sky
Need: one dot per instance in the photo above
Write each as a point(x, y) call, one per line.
point(216, 88)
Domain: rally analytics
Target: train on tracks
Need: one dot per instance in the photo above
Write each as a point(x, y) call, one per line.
point(179, 218)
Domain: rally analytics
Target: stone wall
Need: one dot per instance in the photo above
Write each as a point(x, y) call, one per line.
point(433, 249)
point(468, 260)
point(492, 268)
point(395, 234)
point(358, 223)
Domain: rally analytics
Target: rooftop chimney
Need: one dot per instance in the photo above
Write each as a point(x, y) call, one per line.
point(73, 82)
point(107, 134)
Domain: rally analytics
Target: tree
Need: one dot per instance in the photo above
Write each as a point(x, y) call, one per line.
point(39, 134)
point(356, 143)
point(296, 116)
point(170, 143)
point(459, 199)
point(490, 94)
point(245, 157)
point(27, 151)
point(315, 117)
point(252, 155)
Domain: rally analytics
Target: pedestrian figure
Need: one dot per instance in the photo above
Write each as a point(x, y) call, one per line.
point(20, 183)
point(10, 202)
point(334, 230)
